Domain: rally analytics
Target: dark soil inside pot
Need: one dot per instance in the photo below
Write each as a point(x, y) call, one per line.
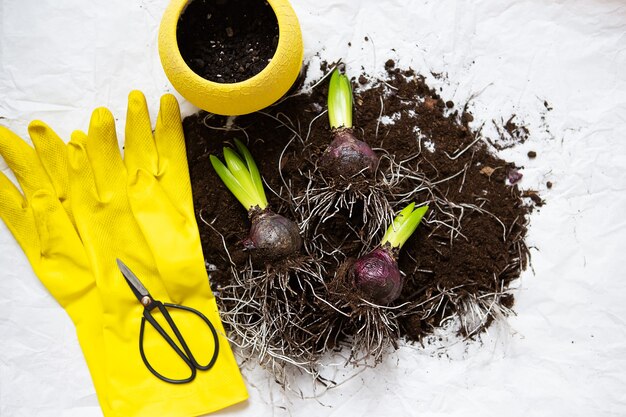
point(461, 254)
point(227, 41)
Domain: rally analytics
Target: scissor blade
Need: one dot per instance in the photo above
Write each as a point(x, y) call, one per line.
point(133, 282)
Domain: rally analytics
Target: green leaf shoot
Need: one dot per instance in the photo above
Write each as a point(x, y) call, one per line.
point(339, 101)
point(241, 178)
point(253, 169)
point(403, 226)
point(238, 168)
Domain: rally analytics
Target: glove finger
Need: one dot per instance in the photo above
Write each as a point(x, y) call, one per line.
point(139, 148)
point(172, 237)
point(23, 161)
point(169, 136)
point(81, 177)
point(52, 153)
point(170, 142)
point(60, 245)
point(104, 155)
point(17, 215)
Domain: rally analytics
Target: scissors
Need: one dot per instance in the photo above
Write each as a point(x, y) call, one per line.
point(150, 304)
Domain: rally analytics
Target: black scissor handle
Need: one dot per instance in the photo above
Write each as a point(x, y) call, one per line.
point(182, 341)
point(186, 356)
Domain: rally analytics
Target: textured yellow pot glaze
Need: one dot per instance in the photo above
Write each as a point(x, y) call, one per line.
point(244, 97)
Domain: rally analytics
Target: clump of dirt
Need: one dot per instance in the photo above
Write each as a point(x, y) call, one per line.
point(459, 263)
point(511, 133)
point(227, 41)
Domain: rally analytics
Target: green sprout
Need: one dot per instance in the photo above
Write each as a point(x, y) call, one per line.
point(346, 157)
point(339, 101)
point(241, 176)
point(376, 275)
point(271, 236)
point(404, 225)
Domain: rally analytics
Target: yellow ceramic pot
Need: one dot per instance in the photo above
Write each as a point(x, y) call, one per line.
point(243, 97)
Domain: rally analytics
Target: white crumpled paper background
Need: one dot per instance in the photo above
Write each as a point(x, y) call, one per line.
point(564, 354)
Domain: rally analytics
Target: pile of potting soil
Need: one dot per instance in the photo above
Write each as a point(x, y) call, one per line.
point(469, 248)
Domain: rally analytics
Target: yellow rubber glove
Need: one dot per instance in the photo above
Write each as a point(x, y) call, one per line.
point(101, 194)
point(40, 219)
